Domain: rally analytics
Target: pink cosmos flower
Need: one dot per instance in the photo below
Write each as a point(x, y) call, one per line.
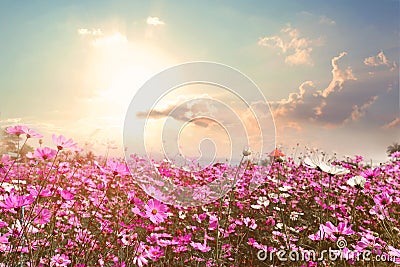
point(395, 254)
point(21, 129)
point(63, 143)
point(16, 130)
point(155, 253)
point(368, 241)
point(141, 256)
point(201, 247)
point(43, 216)
point(67, 195)
point(383, 199)
point(213, 222)
point(60, 260)
point(4, 238)
point(380, 211)
point(156, 211)
point(395, 155)
point(370, 173)
point(117, 167)
point(31, 133)
point(43, 153)
point(34, 191)
point(12, 202)
point(330, 231)
point(3, 224)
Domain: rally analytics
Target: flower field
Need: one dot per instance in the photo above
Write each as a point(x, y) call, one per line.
point(62, 208)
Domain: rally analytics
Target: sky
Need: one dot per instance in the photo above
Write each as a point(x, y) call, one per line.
point(328, 69)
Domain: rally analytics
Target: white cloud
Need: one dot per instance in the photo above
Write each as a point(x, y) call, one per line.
point(155, 21)
point(101, 39)
point(379, 60)
point(83, 31)
point(339, 76)
point(326, 20)
point(359, 111)
point(292, 43)
point(392, 124)
point(10, 120)
point(116, 38)
point(297, 97)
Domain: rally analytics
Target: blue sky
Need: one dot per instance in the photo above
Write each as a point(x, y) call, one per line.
point(72, 67)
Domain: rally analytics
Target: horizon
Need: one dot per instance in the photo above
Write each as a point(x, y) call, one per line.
point(329, 71)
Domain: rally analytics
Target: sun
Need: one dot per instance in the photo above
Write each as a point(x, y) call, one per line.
point(116, 70)
point(123, 67)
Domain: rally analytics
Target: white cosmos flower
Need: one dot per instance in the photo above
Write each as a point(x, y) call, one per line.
point(285, 188)
point(334, 169)
point(273, 195)
point(261, 202)
point(246, 152)
point(294, 215)
point(357, 181)
point(318, 161)
point(182, 214)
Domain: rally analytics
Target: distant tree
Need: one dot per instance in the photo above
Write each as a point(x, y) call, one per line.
point(393, 148)
point(12, 143)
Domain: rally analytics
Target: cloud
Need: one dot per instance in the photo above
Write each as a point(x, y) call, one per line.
point(297, 97)
point(83, 31)
point(296, 47)
point(10, 120)
point(359, 111)
point(100, 39)
point(379, 60)
point(155, 21)
point(116, 38)
point(339, 76)
point(183, 109)
point(392, 124)
point(326, 20)
point(331, 107)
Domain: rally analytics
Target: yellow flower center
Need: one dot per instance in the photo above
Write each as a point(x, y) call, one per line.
point(154, 211)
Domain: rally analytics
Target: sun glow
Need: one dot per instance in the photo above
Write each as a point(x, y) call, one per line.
point(117, 69)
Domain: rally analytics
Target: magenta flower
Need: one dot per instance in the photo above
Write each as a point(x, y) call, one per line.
point(21, 129)
point(60, 260)
point(155, 253)
point(16, 130)
point(383, 199)
point(67, 195)
point(43, 153)
point(43, 216)
point(370, 173)
point(141, 256)
point(117, 167)
point(368, 241)
point(12, 202)
point(343, 229)
point(395, 254)
point(4, 238)
point(156, 211)
point(63, 143)
point(201, 247)
point(330, 231)
point(31, 133)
